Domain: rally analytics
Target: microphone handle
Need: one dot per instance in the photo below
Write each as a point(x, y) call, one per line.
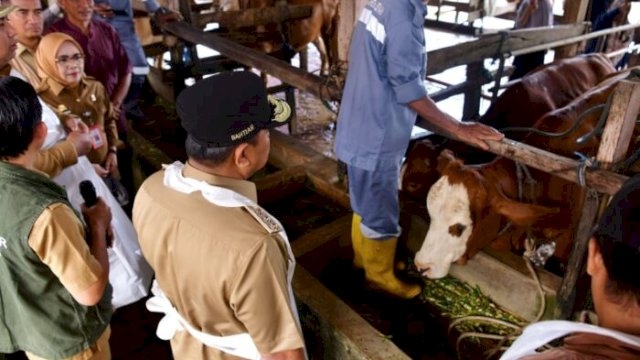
point(88, 192)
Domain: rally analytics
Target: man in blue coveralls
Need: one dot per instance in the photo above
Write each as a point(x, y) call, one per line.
point(383, 93)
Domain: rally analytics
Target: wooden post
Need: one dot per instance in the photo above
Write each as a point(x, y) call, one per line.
point(347, 15)
point(575, 12)
point(624, 109)
point(472, 96)
point(613, 147)
point(566, 295)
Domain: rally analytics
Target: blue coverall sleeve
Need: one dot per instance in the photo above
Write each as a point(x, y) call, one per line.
point(405, 62)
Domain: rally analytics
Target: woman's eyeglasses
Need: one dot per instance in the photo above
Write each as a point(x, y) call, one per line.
point(66, 59)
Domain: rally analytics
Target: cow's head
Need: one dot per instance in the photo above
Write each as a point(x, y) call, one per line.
point(466, 212)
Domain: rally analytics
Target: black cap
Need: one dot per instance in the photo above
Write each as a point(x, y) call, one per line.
point(229, 108)
point(618, 235)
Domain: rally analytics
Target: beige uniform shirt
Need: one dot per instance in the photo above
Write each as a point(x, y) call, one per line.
point(57, 237)
point(25, 63)
point(90, 102)
point(224, 273)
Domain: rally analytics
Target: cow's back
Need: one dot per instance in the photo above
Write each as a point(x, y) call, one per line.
point(549, 87)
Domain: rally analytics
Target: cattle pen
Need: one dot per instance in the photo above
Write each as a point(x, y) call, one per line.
point(339, 331)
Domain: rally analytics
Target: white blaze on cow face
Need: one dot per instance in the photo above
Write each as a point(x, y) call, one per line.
point(449, 230)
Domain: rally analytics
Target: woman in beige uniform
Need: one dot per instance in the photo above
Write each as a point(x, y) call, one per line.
point(68, 90)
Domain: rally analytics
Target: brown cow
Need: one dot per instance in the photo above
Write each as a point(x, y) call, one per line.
point(469, 206)
point(539, 92)
point(317, 28)
point(547, 88)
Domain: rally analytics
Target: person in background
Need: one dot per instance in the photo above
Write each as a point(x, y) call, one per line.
point(8, 42)
point(223, 264)
point(531, 13)
point(384, 91)
point(119, 14)
point(613, 261)
point(54, 269)
point(105, 57)
point(603, 16)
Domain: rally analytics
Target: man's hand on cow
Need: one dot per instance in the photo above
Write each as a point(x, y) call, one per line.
point(477, 133)
point(103, 10)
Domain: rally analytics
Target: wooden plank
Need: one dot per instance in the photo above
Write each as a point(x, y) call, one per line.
point(330, 187)
point(159, 86)
point(346, 15)
point(623, 112)
point(489, 45)
point(507, 287)
point(601, 180)
point(550, 281)
point(575, 12)
point(460, 6)
point(147, 150)
point(451, 27)
point(471, 107)
point(256, 59)
point(565, 299)
point(322, 235)
point(341, 333)
point(254, 16)
point(287, 151)
point(281, 184)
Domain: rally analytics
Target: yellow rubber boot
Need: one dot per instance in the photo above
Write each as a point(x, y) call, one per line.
point(356, 241)
point(378, 258)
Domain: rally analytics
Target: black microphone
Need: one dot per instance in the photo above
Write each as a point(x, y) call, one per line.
point(88, 192)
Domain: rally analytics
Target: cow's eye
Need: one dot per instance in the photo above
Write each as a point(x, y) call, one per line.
point(456, 229)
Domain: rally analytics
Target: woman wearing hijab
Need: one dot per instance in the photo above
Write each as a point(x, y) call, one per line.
point(129, 274)
point(66, 89)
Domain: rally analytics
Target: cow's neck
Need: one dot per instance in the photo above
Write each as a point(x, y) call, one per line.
point(501, 173)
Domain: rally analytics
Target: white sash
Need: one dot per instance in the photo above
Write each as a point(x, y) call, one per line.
point(240, 345)
point(541, 333)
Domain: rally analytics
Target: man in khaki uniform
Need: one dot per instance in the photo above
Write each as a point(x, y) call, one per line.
point(223, 262)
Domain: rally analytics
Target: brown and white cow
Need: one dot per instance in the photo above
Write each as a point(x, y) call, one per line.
point(469, 206)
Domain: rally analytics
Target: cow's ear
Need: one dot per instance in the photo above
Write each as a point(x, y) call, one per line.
point(447, 161)
point(521, 214)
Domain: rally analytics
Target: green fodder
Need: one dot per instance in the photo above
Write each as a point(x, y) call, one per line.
point(456, 299)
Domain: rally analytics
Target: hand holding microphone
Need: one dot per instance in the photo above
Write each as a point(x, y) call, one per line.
point(96, 212)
